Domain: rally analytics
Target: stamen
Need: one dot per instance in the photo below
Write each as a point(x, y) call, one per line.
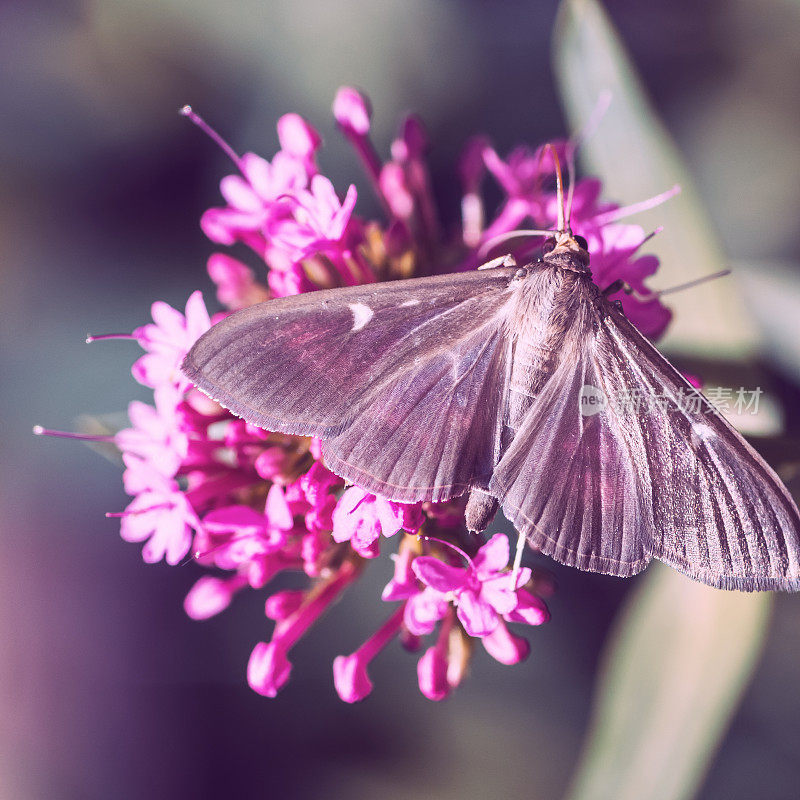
point(137, 511)
point(38, 430)
point(594, 120)
point(649, 236)
point(636, 208)
point(579, 138)
point(102, 336)
point(450, 545)
point(187, 111)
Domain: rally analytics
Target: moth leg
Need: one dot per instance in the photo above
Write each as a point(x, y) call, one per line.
point(500, 261)
point(616, 286)
point(517, 560)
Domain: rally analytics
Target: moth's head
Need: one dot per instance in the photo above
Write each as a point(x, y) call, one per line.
point(567, 251)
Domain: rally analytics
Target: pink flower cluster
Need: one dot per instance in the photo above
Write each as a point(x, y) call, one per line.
point(248, 504)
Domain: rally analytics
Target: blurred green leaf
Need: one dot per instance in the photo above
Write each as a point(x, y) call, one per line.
point(682, 652)
point(103, 425)
point(676, 667)
point(635, 157)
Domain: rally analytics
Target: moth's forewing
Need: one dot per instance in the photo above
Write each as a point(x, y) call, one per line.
point(404, 381)
point(432, 432)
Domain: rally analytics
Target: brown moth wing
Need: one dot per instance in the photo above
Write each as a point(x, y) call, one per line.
point(405, 381)
point(671, 479)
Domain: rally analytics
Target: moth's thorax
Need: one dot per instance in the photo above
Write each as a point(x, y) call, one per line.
point(549, 300)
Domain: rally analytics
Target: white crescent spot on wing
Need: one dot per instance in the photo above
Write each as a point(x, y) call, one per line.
point(362, 314)
point(409, 303)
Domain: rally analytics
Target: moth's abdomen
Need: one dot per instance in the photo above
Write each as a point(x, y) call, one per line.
point(533, 363)
point(542, 316)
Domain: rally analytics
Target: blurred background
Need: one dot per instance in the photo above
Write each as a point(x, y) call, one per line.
point(106, 688)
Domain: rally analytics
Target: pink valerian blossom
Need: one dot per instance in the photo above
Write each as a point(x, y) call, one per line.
point(247, 504)
point(156, 433)
point(167, 341)
point(236, 283)
point(360, 518)
point(161, 516)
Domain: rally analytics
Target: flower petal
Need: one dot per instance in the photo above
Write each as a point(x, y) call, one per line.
point(476, 615)
point(440, 576)
point(492, 557)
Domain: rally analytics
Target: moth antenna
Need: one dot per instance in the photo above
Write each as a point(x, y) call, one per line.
point(490, 244)
point(576, 140)
point(571, 178)
point(559, 186)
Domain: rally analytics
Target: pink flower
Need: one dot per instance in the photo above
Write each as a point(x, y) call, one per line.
point(269, 666)
point(281, 605)
point(504, 646)
point(350, 672)
point(257, 504)
point(424, 609)
point(361, 518)
point(238, 534)
point(236, 284)
point(211, 595)
point(530, 609)
point(161, 517)
point(317, 219)
point(482, 591)
point(352, 111)
point(443, 666)
point(404, 584)
point(167, 341)
point(299, 140)
point(432, 674)
point(252, 199)
point(613, 250)
point(521, 176)
point(156, 435)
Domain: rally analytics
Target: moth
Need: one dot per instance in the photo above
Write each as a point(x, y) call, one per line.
point(496, 383)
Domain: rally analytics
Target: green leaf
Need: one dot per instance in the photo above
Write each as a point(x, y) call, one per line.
point(675, 670)
point(682, 653)
point(635, 157)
